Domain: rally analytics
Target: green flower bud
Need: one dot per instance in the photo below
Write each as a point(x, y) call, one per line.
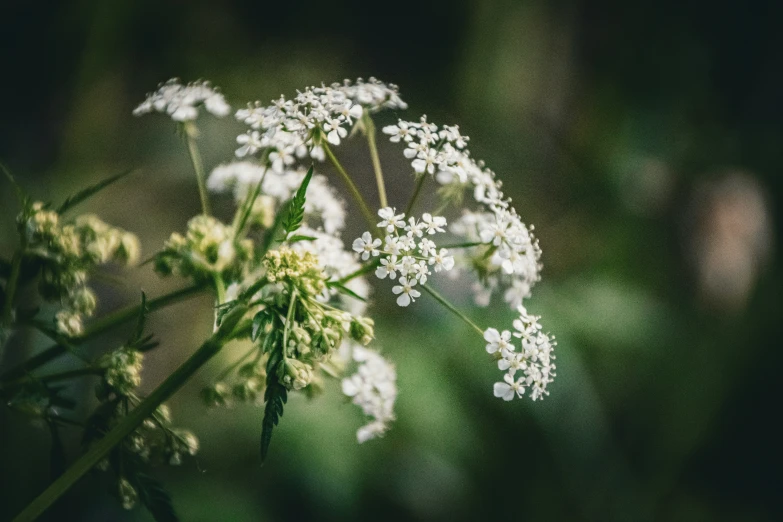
point(362, 330)
point(295, 374)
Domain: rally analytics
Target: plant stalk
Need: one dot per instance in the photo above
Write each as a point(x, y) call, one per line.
point(453, 309)
point(106, 323)
point(369, 130)
point(135, 417)
point(416, 192)
point(368, 215)
point(191, 132)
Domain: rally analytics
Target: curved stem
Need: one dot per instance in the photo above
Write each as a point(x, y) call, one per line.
point(368, 215)
point(361, 271)
point(369, 130)
point(416, 192)
point(135, 417)
point(60, 376)
point(453, 309)
point(106, 323)
point(191, 132)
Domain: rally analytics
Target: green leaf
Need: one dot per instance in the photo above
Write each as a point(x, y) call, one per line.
point(21, 196)
point(90, 191)
point(155, 498)
point(295, 239)
point(275, 397)
point(345, 290)
point(295, 215)
point(141, 321)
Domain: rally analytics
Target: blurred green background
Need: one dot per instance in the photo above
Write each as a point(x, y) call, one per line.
point(643, 139)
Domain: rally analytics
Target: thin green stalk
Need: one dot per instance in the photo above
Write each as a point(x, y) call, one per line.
point(369, 130)
point(191, 132)
point(416, 192)
point(106, 323)
point(369, 267)
point(247, 207)
point(60, 376)
point(135, 417)
point(368, 215)
point(10, 287)
point(463, 245)
point(442, 300)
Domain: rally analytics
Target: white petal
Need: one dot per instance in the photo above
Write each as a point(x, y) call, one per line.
point(404, 300)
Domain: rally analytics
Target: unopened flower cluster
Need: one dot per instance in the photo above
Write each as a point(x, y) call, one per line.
point(68, 251)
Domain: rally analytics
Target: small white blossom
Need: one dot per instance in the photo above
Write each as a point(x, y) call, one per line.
point(498, 341)
point(366, 246)
point(407, 294)
point(506, 390)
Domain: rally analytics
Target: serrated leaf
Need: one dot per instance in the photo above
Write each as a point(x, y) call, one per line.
point(295, 214)
point(90, 191)
point(275, 396)
point(155, 498)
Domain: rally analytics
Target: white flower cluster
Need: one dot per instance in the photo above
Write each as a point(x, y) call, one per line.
point(290, 129)
point(181, 102)
point(278, 186)
point(374, 389)
point(442, 152)
point(534, 361)
point(411, 254)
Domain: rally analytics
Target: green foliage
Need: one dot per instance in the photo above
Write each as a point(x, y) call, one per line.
point(21, 196)
point(155, 498)
point(276, 394)
point(90, 191)
point(295, 214)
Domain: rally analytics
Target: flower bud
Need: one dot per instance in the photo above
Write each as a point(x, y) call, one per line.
point(128, 494)
point(295, 374)
point(362, 330)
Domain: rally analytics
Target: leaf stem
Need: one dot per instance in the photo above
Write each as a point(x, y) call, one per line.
point(106, 323)
point(415, 195)
point(135, 417)
point(463, 245)
point(369, 130)
point(368, 215)
point(191, 132)
point(453, 309)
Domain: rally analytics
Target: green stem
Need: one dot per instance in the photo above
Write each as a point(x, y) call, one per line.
point(135, 417)
point(106, 323)
point(10, 288)
point(198, 166)
point(463, 245)
point(452, 309)
point(369, 267)
point(416, 192)
point(60, 376)
point(247, 207)
point(368, 215)
point(369, 130)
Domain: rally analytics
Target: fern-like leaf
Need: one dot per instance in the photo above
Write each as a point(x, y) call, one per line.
point(295, 215)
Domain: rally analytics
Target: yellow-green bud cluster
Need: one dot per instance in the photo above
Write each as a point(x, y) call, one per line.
point(298, 269)
point(68, 251)
point(123, 370)
point(208, 248)
point(295, 374)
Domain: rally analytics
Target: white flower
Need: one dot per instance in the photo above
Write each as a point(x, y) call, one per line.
point(388, 267)
point(366, 246)
point(426, 247)
point(407, 294)
point(441, 260)
point(181, 102)
point(390, 220)
point(433, 223)
point(507, 389)
point(401, 131)
point(512, 362)
point(374, 389)
point(497, 341)
point(251, 143)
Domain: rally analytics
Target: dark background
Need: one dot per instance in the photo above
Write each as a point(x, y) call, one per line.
point(632, 134)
